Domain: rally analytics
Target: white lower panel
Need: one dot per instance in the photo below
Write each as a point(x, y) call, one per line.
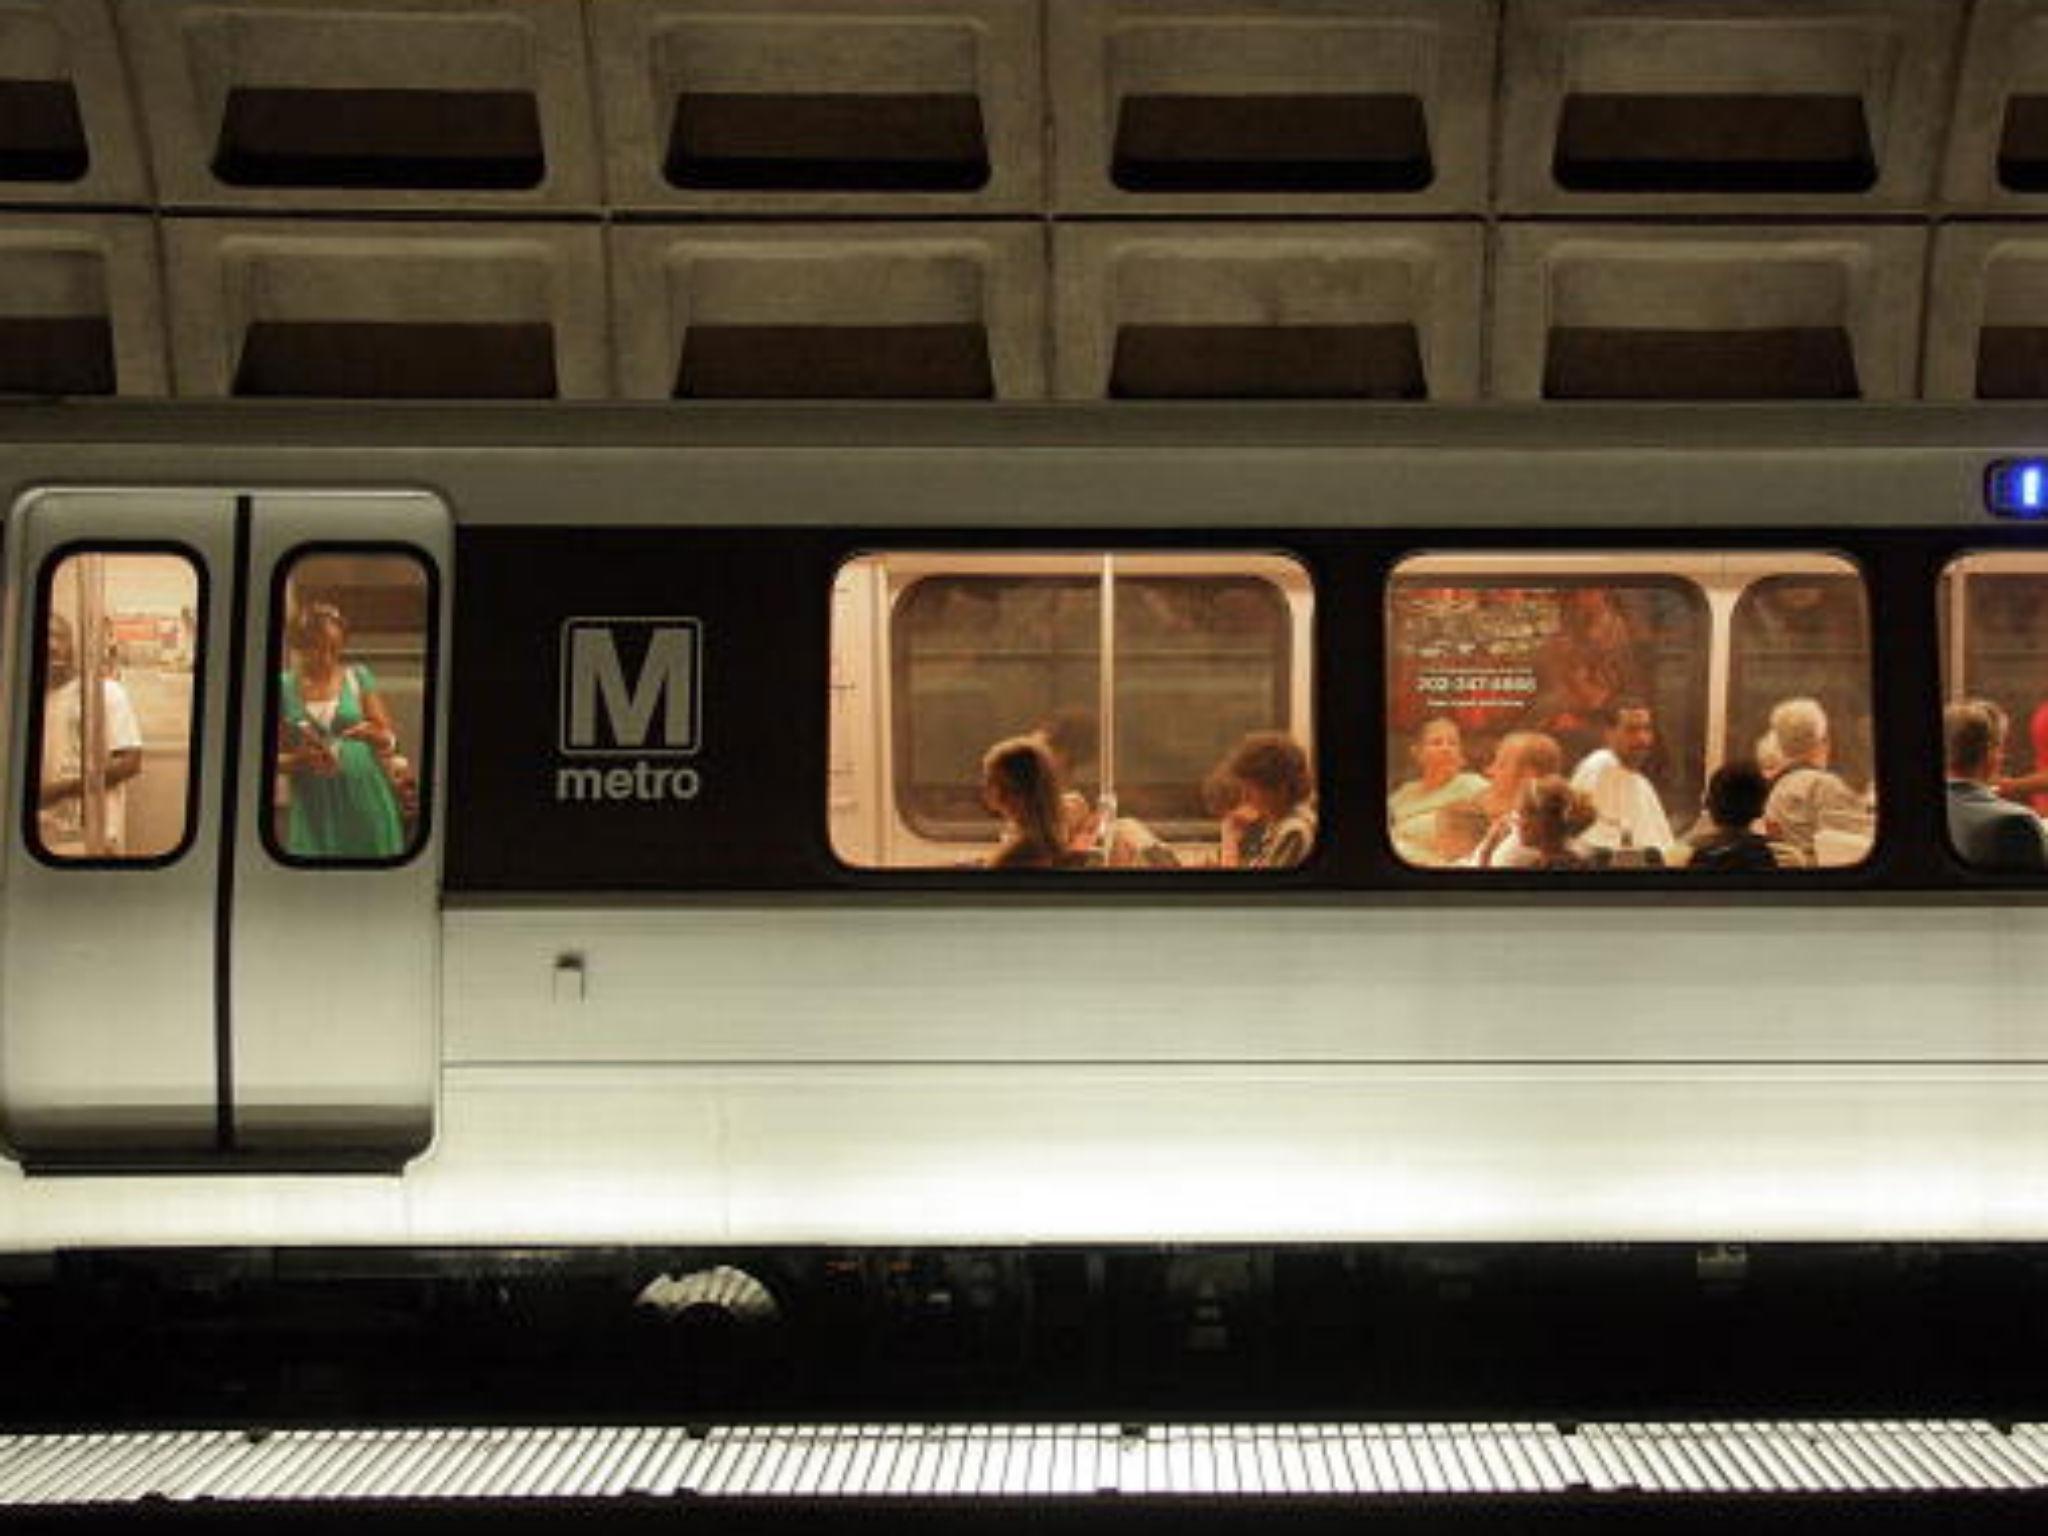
point(987, 1153)
point(1089, 1153)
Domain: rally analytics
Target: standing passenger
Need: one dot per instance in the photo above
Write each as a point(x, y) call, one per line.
point(1628, 814)
point(60, 797)
point(337, 747)
point(1988, 832)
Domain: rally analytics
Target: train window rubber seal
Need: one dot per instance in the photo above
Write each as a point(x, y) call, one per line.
point(195, 735)
point(273, 655)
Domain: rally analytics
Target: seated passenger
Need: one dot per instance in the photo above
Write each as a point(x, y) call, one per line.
point(1460, 829)
point(1806, 797)
point(1550, 819)
point(1019, 784)
point(1520, 757)
point(1270, 824)
point(1072, 739)
point(1988, 832)
point(1438, 753)
point(1726, 840)
point(1630, 824)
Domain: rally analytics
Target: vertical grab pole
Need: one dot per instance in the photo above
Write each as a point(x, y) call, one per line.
point(92, 705)
point(1106, 672)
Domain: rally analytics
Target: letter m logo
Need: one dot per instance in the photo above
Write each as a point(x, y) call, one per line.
point(630, 686)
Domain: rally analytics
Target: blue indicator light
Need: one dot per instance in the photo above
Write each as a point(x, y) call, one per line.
point(2018, 488)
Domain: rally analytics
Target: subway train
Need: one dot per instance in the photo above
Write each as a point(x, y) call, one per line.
point(499, 827)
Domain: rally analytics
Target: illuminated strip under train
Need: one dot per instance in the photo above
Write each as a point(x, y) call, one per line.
point(674, 925)
point(1808, 1459)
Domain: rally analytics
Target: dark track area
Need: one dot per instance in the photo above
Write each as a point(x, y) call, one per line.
point(1560, 1333)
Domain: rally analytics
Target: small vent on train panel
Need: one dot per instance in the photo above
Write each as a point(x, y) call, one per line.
point(1782, 363)
point(827, 142)
point(2023, 146)
point(42, 137)
point(474, 140)
point(1745, 142)
point(1271, 143)
point(1271, 362)
point(398, 360)
point(2012, 362)
point(835, 362)
point(56, 355)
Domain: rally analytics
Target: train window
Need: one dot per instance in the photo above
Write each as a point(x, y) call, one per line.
point(114, 780)
point(1141, 709)
point(1994, 665)
point(351, 706)
point(1617, 711)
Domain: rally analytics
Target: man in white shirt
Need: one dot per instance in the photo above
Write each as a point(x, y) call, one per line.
point(60, 815)
point(1625, 801)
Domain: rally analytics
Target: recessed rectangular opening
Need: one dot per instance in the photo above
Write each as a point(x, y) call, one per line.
point(1267, 362)
point(1271, 143)
point(398, 360)
point(1782, 363)
point(2012, 362)
point(1732, 142)
point(827, 142)
point(2023, 146)
point(56, 355)
point(835, 362)
point(42, 137)
point(472, 140)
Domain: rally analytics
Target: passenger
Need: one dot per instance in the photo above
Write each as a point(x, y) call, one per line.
point(1520, 757)
point(337, 749)
point(1019, 784)
point(1806, 797)
point(1550, 819)
point(1460, 829)
point(1072, 739)
point(1271, 824)
point(1439, 756)
point(1988, 832)
point(60, 802)
point(1770, 757)
point(1726, 840)
point(1628, 814)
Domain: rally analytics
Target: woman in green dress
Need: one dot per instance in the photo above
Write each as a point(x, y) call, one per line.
point(335, 745)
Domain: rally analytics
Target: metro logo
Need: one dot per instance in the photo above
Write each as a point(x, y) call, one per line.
point(652, 712)
point(630, 695)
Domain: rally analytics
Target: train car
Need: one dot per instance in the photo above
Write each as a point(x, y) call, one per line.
point(496, 828)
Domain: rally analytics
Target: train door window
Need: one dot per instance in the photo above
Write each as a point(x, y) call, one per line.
point(349, 706)
point(1606, 711)
point(1072, 710)
point(1994, 667)
point(115, 741)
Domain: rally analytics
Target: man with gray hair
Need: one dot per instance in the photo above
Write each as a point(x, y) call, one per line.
point(1989, 832)
point(1808, 797)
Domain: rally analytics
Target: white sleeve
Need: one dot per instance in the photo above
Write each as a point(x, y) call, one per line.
point(124, 733)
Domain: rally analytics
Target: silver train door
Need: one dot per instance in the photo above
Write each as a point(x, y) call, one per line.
point(186, 981)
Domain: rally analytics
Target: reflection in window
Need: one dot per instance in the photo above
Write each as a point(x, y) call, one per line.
point(351, 708)
point(1066, 710)
point(1994, 666)
point(116, 738)
point(1567, 712)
